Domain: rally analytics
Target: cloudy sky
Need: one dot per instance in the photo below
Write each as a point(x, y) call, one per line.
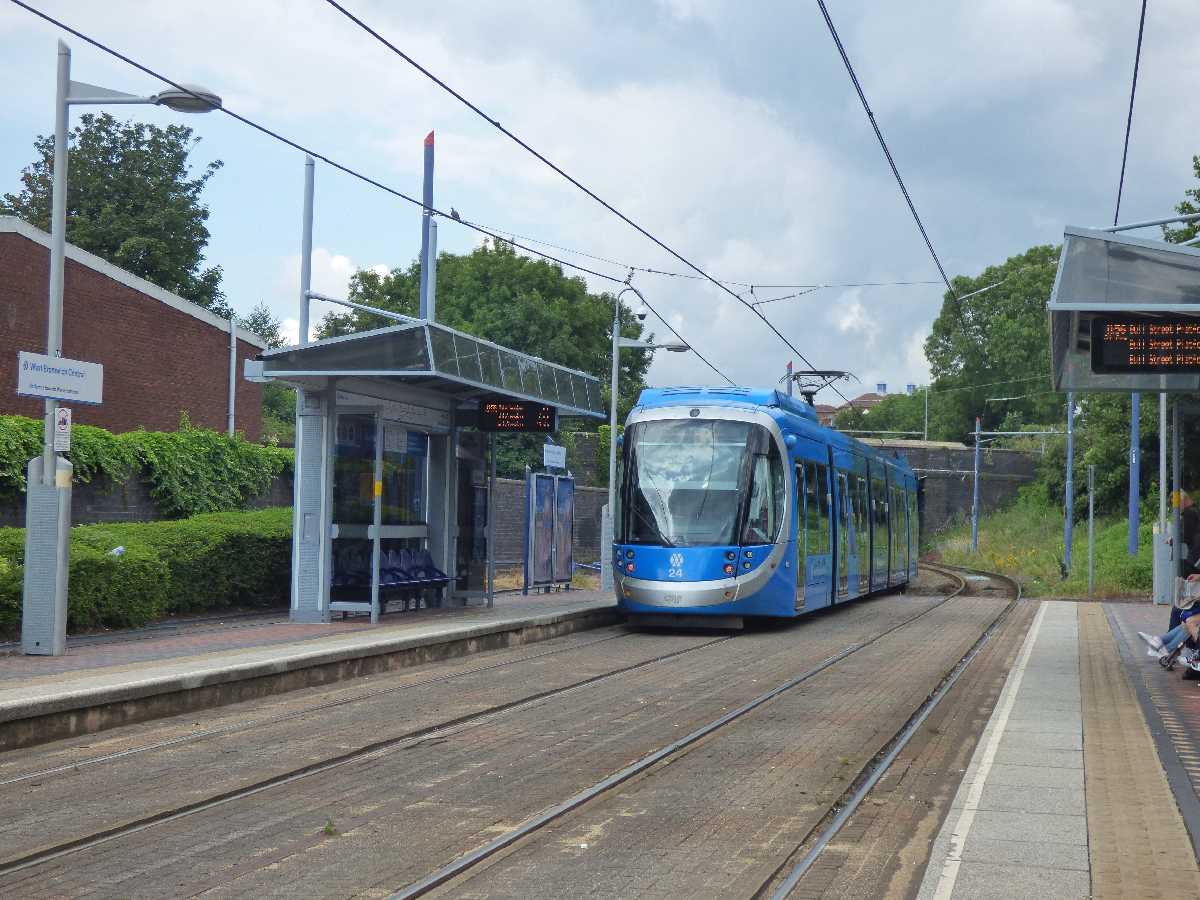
point(729, 129)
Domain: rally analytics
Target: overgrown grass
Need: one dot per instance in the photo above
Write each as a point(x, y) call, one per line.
point(1026, 542)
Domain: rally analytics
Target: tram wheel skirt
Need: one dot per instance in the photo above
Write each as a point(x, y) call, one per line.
point(643, 620)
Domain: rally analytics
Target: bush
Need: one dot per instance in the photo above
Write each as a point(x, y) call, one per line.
point(191, 471)
point(205, 562)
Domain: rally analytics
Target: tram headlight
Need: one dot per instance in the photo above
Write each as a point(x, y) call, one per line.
point(629, 567)
point(729, 568)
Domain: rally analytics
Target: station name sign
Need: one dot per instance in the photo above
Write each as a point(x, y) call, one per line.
point(505, 414)
point(59, 378)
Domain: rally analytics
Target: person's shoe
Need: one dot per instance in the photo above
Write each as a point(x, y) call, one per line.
point(1160, 653)
point(1154, 642)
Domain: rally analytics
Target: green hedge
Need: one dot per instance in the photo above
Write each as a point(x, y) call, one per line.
point(191, 471)
point(204, 562)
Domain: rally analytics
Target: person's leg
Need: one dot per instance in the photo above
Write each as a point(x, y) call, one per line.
point(1175, 637)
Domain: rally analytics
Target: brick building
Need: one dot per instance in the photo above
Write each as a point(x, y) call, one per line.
point(162, 355)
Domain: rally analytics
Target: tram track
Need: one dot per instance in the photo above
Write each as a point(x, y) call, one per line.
point(235, 727)
point(785, 880)
point(664, 756)
point(362, 753)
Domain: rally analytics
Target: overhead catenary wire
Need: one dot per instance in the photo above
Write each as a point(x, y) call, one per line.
point(1137, 58)
point(571, 179)
point(296, 145)
point(883, 144)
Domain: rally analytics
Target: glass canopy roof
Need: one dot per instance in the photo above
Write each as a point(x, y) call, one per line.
point(1103, 274)
point(441, 358)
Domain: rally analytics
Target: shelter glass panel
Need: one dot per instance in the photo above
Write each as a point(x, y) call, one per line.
point(444, 356)
point(489, 360)
point(404, 455)
point(401, 350)
point(510, 371)
point(468, 358)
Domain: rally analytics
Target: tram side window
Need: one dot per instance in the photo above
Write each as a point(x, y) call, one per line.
point(820, 524)
point(765, 508)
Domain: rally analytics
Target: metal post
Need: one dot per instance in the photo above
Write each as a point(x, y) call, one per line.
point(1135, 472)
point(1069, 517)
point(1162, 464)
point(426, 219)
point(1176, 480)
point(377, 521)
point(926, 412)
point(975, 497)
point(431, 304)
point(58, 246)
point(232, 373)
point(306, 230)
point(491, 518)
point(48, 485)
point(606, 549)
point(789, 377)
point(1091, 523)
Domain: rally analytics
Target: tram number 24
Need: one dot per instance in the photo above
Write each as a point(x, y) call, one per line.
point(676, 566)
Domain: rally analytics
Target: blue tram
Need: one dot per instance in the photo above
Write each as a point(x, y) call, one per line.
point(736, 502)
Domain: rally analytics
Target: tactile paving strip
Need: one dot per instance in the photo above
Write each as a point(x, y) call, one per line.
point(1137, 842)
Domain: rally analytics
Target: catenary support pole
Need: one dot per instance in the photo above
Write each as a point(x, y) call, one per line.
point(1069, 515)
point(1091, 475)
point(606, 562)
point(306, 230)
point(426, 219)
point(926, 412)
point(232, 375)
point(58, 246)
point(1135, 472)
point(975, 493)
point(491, 520)
point(431, 304)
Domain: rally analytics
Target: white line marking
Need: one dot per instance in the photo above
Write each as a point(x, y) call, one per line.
point(958, 837)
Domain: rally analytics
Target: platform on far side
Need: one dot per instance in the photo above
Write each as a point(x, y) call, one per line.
point(100, 685)
point(1065, 796)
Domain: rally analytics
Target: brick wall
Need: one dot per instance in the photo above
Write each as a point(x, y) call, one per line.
point(158, 361)
point(947, 471)
point(509, 525)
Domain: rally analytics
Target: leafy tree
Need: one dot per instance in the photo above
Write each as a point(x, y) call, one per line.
point(895, 412)
point(1190, 204)
point(265, 324)
point(132, 200)
point(978, 343)
point(518, 302)
point(278, 400)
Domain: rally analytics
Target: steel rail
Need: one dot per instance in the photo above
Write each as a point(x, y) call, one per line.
point(372, 750)
point(859, 793)
point(295, 714)
point(675, 749)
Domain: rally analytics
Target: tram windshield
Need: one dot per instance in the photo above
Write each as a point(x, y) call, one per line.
point(699, 482)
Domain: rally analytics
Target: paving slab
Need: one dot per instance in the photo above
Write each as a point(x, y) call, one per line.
point(1065, 795)
point(89, 689)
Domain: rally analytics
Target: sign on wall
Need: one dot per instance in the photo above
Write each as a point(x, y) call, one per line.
point(59, 378)
point(554, 456)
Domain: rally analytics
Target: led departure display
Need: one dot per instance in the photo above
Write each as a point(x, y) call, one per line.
point(503, 414)
point(1146, 344)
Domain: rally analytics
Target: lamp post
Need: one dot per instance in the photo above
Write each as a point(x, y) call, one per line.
point(617, 343)
point(47, 518)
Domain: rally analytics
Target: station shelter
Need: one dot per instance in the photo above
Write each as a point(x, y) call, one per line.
point(1125, 317)
point(395, 463)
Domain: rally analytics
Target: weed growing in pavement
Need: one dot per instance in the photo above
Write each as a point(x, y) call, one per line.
point(330, 829)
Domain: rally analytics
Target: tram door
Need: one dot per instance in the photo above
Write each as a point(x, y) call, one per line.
point(843, 534)
point(814, 577)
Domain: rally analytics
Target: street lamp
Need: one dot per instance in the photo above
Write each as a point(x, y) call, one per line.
point(48, 510)
point(618, 343)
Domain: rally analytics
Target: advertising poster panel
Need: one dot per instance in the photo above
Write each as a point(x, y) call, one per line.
point(542, 530)
point(564, 526)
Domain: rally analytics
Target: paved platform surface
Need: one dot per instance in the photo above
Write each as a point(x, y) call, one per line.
point(1065, 795)
point(202, 650)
